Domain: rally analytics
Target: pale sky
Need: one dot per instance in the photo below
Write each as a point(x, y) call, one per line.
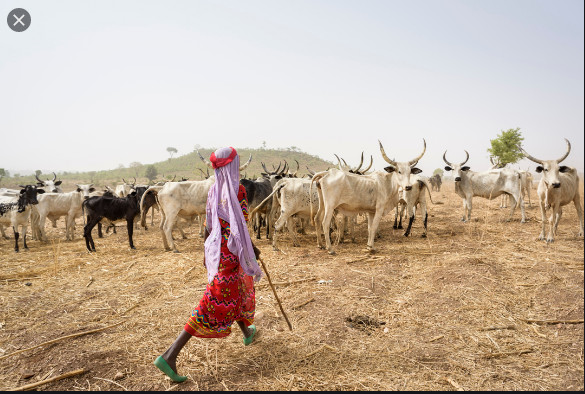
point(92, 84)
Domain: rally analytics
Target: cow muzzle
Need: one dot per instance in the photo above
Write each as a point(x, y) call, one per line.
point(458, 179)
point(556, 185)
point(408, 188)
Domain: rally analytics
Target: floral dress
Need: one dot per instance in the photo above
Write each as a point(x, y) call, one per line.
point(230, 296)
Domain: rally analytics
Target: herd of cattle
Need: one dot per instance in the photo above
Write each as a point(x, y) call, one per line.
point(330, 200)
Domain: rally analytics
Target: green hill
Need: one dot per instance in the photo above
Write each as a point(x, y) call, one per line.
point(186, 166)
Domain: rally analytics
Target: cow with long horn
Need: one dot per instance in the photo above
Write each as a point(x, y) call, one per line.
point(558, 186)
point(488, 184)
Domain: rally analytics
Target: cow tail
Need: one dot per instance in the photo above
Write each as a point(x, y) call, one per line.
point(424, 182)
point(142, 212)
point(315, 178)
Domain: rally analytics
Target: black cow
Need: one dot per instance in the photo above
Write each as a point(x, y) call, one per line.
point(112, 209)
point(257, 191)
point(15, 211)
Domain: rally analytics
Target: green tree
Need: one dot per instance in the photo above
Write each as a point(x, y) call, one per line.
point(136, 166)
point(171, 151)
point(505, 148)
point(38, 172)
point(151, 172)
point(439, 171)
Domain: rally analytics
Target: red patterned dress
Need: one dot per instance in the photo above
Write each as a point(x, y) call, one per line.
point(230, 297)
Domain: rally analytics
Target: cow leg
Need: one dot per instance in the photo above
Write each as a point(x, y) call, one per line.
point(162, 227)
point(3, 233)
point(152, 216)
point(130, 225)
point(402, 206)
point(410, 212)
point(54, 222)
point(15, 229)
point(558, 219)
point(552, 219)
point(169, 224)
point(374, 223)
point(100, 234)
point(395, 218)
point(87, 233)
point(23, 230)
point(579, 209)
point(328, 215)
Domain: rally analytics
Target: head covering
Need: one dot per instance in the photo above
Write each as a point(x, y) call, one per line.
point(222, 203)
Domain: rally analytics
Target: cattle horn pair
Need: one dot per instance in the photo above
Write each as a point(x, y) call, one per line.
point(534, 159)
point(449, 164)
point(54, 178)
point(242, 167)
point(411, 163)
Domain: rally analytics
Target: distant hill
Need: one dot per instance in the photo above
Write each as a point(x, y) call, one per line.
point(187, 166)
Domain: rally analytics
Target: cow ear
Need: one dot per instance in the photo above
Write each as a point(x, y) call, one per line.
point(58, 183)
point(539, 169)
point(415, 170)
point(464, 168)
point(133, 193)
point(447, 168)
point(22, 191)
point(92, 189)
point(40, 191)
point(389, 169)
point(564, 169)
point(40, 183)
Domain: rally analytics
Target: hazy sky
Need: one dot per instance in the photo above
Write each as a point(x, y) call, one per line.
point(94, 84)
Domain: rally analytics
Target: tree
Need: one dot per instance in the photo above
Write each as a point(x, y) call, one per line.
point(505, 148)
point(151, 172)
point(439, 171)
point(264, 145)
point(38, 172)
point(136, 166)
point(171, 151)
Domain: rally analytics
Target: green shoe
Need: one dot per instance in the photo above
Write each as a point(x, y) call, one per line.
point(166, 368)
point(250, 339)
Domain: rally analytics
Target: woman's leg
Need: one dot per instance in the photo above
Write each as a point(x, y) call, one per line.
point(172, 352)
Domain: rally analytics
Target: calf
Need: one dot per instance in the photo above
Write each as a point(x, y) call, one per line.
point(409, 199)
point(15, 211)
point(558, 186)
point(112, 209)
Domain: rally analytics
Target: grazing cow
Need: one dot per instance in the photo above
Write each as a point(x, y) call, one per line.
point(15, 211)
point(55, 205)
point(558, 186)
point(488, 184)
point(409, 199)
point(436, 182)
point(112, 209)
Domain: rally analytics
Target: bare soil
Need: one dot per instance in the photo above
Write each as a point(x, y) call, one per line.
point(475, 306)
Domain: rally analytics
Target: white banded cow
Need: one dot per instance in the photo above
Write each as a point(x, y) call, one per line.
point(15, 211)
point(558, 186)
point(488, 184)
point(410, 199)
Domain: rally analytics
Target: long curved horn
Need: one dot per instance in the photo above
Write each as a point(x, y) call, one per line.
point(568, 151)
point(467, 153)
point(414, 161)
point(41, 181)
point(492, 160)
point(123, 180)
point(55, 175)
point(370, 166)
point(202, 173)
point(311, 172)
point(264, 167)
point(338, 161)
point(278, 169)
point(384, 155)
point(205, 160)
point(445, 159)
point(534, 159)
point(298, 166)
point(246, 164)
point(135, 181)
point(284, 169)
point(174, 178)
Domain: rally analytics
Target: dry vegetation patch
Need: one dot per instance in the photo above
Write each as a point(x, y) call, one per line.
point(475, 306)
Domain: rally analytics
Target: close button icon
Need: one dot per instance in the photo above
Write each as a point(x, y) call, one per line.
point(18, 19)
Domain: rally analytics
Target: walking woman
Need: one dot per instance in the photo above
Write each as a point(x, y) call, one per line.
point(230, 259)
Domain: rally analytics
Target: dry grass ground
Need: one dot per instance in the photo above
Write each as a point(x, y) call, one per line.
point(454, 310)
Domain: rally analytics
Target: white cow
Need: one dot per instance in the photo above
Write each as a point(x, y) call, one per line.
point(50, 186)
point(15, 211)
point(410, 199)
point(558, 186)
point(375, 194)
point(55, 205)
point(488, 184)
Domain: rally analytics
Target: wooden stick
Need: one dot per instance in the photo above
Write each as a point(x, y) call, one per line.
point(289, 283)
point(553, 321)
point(111, 381)
point(90, 281)
point(275, 295)
point(60, 339)
point(33, 385)
point(303, 304)
point(502, 354)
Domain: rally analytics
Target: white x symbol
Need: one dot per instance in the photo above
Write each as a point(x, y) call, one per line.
point(18, 20)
